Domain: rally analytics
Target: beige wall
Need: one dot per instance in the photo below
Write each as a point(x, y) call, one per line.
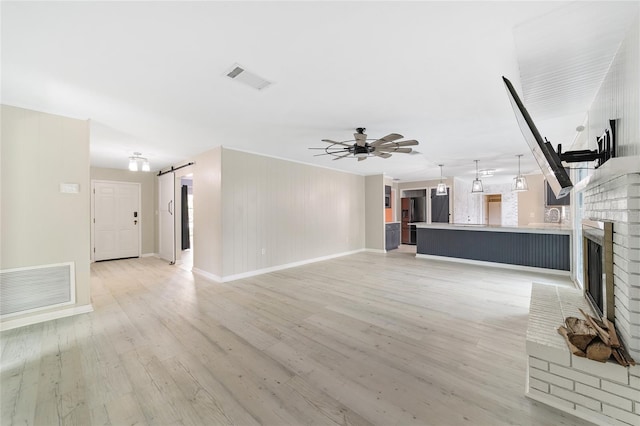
point(39, 224)
point(374, 205)
point(207, 213)
point(148, 218)
point(276, 212)
point(531, 202)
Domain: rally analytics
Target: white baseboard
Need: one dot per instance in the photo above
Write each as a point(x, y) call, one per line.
point(253, 273)
point(206, 275)
point(495, 264)
point(149, 255)
point(370, 250)
point(286, 266)
point(48, 316)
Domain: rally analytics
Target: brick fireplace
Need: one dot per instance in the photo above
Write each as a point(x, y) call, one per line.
point(605, 393)
point(615, 197)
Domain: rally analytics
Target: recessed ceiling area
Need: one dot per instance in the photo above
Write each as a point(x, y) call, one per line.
point(152, 76)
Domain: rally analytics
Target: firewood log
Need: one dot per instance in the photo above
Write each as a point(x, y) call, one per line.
point(598, 351)
point(579, 326)
point(574, 350)
point(604, 336)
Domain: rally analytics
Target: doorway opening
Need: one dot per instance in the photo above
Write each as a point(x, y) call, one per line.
point(186, 221)
point(493, 209)
point(439, 207)
point(413, 209)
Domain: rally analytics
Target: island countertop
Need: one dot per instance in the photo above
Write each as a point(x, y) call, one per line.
point(537, 228)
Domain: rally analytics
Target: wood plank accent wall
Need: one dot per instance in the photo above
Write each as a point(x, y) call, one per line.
point(276, 212)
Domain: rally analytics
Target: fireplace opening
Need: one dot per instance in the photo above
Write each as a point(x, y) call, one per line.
point(598, 266)
point(595, 278)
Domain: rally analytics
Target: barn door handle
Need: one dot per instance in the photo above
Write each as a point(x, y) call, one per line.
point(169, 207)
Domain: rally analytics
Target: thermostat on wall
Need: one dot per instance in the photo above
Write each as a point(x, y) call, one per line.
point(70, 188)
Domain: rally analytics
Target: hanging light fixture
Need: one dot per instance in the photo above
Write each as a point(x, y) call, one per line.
point(137, 158)
point(519, 182)
point(476, 186)
point(442, 188)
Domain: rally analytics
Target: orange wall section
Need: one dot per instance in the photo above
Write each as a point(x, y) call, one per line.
point(388, 213)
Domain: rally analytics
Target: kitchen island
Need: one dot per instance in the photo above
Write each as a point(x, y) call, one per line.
point(544, 246)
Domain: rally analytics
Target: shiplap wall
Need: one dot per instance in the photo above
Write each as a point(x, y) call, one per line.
point(292, 211)
point(619, 97)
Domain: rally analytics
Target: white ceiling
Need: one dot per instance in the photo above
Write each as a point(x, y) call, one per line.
point(151, 76)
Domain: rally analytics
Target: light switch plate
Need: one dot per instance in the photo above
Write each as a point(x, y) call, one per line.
point(70, 188)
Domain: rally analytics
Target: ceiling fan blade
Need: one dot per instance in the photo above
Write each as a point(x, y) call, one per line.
point(335, 143)
point(360, 138)
point(392, 149)
point(411, 142)
point(381, 154)
point(362, 158)
point(342, 156)
point(398, 144)
point(389, 138)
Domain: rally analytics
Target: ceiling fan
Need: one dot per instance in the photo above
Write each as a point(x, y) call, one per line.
point(361, 148)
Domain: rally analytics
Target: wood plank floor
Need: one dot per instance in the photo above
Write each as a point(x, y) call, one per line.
point(363, 339)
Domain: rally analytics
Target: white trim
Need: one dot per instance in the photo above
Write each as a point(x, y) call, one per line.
point(72, 288)
point(35, 319)
point(370, 250)
point(206, 275)
point(149, 255)
point(281, 267)
point(495, 264)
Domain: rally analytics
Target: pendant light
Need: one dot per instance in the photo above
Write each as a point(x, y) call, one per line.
point(476, 186)
point(519, 182)
point(442, 188)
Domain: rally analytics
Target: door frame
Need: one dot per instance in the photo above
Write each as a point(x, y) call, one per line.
point(92, 248)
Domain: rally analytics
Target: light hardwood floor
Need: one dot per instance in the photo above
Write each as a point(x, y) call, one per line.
point(363, 339)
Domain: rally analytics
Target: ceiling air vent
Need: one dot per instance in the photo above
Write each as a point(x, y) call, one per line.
point(240, 74)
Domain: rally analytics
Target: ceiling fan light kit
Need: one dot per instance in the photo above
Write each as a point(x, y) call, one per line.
point(361, 148)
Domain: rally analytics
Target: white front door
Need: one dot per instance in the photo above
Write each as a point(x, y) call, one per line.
point(116, 220)
point(166, 211)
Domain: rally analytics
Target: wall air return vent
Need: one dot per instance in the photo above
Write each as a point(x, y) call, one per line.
point(241, 75)
point(24, 290)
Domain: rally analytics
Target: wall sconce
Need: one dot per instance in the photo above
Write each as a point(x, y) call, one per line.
point(476, 186)
point(519, 182)
point(135, 160)
point(441, 189)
